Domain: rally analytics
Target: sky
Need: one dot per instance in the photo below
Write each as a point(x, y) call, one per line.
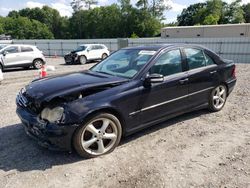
point(63, 6)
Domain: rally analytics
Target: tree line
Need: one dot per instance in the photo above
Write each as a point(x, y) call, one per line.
point(117, 20)
point(214, 12)
point(120, 19)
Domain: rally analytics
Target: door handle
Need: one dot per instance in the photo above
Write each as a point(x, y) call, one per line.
point(184, 81)
point(213, 72)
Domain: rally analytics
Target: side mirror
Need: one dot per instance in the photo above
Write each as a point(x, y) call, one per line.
point(154, 78)
point(5, 53)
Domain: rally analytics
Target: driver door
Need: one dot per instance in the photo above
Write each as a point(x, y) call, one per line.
point(12, 56)
point(161, 100)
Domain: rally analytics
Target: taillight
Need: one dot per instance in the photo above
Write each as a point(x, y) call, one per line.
point(234, 71)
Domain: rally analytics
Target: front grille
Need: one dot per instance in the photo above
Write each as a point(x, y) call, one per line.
point(70, 57)
point(21, 99)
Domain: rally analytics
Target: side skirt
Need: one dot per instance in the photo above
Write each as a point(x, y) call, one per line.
point(147, 125)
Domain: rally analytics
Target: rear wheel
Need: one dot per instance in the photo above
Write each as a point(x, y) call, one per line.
point(218, 98)
point(38, 63)
point(99, 136)
point(82, 60)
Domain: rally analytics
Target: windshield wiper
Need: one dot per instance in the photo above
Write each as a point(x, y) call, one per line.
point(104, 73)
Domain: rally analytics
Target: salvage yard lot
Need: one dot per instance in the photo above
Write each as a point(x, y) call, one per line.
point(198, 149)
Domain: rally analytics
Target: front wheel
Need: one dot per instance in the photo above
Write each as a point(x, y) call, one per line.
point(104, 56)
point(99, 136)
point(218, 98)
point(82, 60)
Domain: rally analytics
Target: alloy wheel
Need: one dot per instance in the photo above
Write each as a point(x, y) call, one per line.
point(99, 136)
point(219, 96)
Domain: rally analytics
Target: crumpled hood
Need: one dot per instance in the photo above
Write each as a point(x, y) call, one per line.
point(48, 88)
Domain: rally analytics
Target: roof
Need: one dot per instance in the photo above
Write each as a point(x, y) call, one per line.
point(207, 26)
point(161, 46)
point(151, 47)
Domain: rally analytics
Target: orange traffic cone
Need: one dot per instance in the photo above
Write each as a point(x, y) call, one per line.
point(43, 72)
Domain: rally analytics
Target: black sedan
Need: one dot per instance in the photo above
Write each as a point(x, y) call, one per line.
point(132, 89)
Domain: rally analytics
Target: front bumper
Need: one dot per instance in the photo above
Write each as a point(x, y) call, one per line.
point(51, 136)
point(71, 59)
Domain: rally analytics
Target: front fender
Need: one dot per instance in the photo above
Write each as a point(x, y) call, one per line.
point(77, 111)
point(81, 53)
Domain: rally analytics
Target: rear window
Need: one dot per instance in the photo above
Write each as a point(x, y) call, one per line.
point(26, 49)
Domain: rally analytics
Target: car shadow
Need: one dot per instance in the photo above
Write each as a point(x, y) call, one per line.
point(19, 152)
point(20, 69)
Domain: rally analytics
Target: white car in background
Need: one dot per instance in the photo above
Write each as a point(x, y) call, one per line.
point(87, 52)
point(25, 56)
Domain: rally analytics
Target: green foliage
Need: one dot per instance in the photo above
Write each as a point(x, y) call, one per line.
point(211, 20)
point(246, 9)
point(191, 14)
point(134, 36)
point(212, 12)
point(24, 28)
point(101, 22)
point(234, 13)
point(57, 25)
point(1, 26)
point(113, 21)
point(155, 7)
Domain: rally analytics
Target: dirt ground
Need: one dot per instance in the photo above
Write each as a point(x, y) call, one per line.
point(198, 149)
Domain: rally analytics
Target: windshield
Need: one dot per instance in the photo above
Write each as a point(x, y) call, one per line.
point(2, 46)
point(81, 48)
point(124, 63)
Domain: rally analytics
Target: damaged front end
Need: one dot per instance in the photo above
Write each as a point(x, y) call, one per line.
point(52, 121)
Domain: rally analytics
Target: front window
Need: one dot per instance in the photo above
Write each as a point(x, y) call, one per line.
point(12, 49)
point(167, 64)
point(124, 63)
point(2, 46)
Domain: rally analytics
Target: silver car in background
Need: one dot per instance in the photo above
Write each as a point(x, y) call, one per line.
point(25, 56)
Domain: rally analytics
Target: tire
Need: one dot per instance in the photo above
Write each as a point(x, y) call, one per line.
point(104, 56)
point(98, 136)
point(38, 63)
point(1, 67)
point(217, 99)
point(82, 59)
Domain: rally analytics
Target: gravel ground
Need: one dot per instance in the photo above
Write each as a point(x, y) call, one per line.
point(198, 149)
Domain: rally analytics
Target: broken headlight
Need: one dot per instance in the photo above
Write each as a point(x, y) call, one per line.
point(52, 115)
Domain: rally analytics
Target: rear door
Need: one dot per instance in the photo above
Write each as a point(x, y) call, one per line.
point(26, 55)
point(202, 75)
point(100, 51)
point(91, 52)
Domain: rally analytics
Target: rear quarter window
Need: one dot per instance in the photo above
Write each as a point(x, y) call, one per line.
point(26, 49)
point(195, 58)
point(209, 60)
